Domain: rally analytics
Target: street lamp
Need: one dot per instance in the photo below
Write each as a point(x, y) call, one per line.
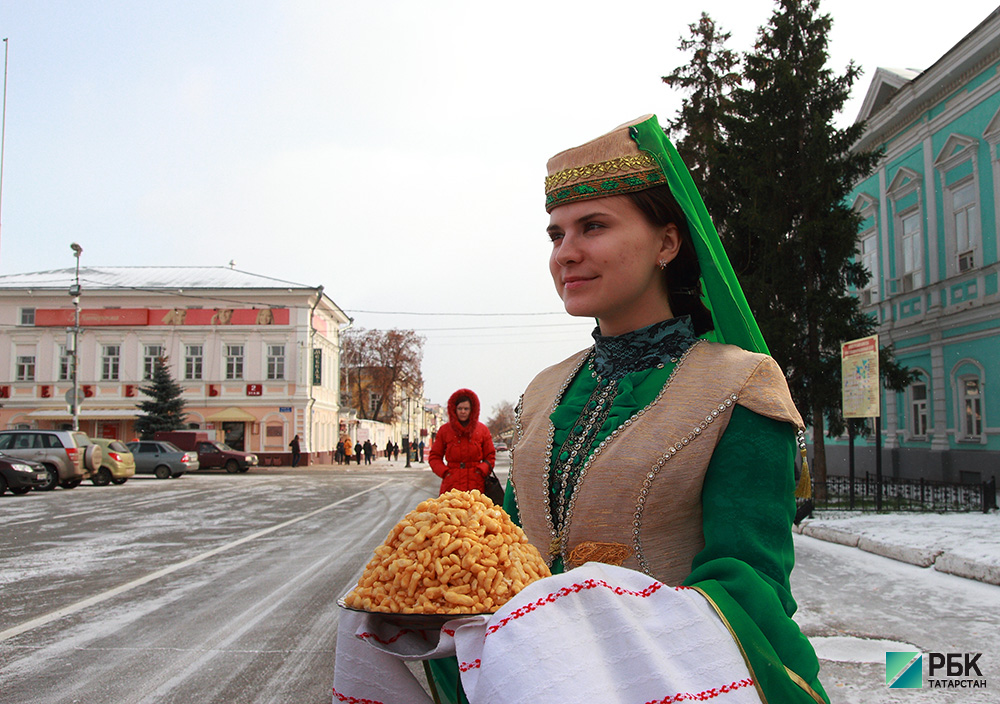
point(74, 291)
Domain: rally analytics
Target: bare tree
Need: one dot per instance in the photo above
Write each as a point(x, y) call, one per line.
point(502, 419)
point(374, 363)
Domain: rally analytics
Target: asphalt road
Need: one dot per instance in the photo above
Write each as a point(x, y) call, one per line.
point(205, 588)
point(223, 588)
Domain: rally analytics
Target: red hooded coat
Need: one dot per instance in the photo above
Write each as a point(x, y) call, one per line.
point(462, 455)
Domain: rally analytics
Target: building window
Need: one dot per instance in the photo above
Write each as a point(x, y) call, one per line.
point(918, 409)
point(65, 363)
point(234, 361)
point(27, 316)
point(151, 353)
point(373, 403)
point(913, 260)
point(110, 362)
point(193, 360)
point(869, 260)
point(971, 409)
point(25, 367)
point(966, 222)
point(275, 361)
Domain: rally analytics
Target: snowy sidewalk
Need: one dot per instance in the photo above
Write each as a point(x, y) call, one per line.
point(963, 544)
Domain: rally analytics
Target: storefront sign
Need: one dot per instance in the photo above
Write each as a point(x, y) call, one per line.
point(317, 367)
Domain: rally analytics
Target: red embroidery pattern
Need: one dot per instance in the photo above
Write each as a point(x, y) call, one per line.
point(706, 695)
point(353, 700)
point(566, 591)
point(396, 637)
point(466, 666)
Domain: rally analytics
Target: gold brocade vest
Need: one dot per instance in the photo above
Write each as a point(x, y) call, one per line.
point(638, 500)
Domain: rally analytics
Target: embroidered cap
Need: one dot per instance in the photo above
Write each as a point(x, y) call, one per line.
point(610, 165)
point(636, 156)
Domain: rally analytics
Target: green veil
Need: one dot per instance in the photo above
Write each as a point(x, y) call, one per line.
point(721, 291)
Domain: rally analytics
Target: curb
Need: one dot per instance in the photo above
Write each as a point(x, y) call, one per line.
point(940, 560)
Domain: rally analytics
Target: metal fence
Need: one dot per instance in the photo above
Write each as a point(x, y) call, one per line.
point(903, 495)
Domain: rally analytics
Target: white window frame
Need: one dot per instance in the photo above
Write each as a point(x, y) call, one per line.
point(25, 367)
point(149, 360)
point(275, 362)
point(65, 364)
point(919, 410)
point(27, 317)
point(968, 253)
point(967, 432)
point(868, 253)
point(194, 364)
point(111, 362)
point(958, 150)
point(235, 359)
point(910, 265)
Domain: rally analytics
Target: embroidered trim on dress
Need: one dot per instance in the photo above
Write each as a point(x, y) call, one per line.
point(655, 469)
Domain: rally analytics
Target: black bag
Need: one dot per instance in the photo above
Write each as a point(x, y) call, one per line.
point(493, 489)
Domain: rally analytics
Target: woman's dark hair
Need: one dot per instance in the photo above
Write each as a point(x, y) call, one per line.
point(683, 273)
point(461, 399)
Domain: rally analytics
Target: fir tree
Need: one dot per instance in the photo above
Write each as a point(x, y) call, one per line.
point(165, 408)
point(708, 79)
point(781, 175)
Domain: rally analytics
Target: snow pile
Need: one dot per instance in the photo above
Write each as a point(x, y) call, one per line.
point(963, 544)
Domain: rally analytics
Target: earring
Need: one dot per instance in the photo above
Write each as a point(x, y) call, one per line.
point(661, 264)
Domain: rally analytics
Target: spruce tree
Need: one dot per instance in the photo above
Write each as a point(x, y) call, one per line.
point(165, 408)
point(781, 176)
point(708, 79)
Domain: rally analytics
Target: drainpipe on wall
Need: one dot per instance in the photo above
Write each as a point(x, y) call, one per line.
point(309, 365)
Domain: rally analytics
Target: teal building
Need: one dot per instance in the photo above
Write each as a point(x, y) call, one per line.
point(930, 238)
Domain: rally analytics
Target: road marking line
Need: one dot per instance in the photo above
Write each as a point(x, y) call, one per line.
point(104, 596)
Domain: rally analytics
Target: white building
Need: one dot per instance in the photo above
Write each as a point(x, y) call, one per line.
point(258, 357)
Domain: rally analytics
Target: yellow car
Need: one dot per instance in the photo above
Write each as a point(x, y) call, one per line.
point(117, 465)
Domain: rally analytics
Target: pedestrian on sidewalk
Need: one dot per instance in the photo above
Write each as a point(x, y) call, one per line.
point(296, 451)
point(358, 449)
point(395, 451)
point(367, 448)
point(388, 450)
point(463, 454)
point(421, 446)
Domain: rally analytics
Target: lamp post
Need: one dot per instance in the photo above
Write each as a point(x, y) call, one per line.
point(74, 291)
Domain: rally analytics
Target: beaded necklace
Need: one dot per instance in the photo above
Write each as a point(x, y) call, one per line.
point(565, 472)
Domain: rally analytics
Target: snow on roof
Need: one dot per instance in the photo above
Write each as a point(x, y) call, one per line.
point(147, 277)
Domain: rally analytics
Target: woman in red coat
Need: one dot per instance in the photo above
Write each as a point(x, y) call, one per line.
point(463, 454)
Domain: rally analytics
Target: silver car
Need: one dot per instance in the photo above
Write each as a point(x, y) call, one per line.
point(69, 457)
point(164, 459)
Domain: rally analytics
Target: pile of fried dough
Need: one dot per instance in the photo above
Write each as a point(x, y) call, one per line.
point(454, 554)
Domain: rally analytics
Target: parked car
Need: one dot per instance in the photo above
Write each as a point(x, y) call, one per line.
point(62, 452)
point(164, 459)
point(211, 454)
point(20, 475)
point(118, 463)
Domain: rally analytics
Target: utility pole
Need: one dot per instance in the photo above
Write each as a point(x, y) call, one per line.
point(74, 291)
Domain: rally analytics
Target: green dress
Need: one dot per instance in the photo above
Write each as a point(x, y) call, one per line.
point(744, 567)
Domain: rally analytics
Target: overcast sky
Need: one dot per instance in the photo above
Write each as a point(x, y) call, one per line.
point(393, 152)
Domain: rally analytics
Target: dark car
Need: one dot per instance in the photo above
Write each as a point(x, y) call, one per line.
point(21, 475)
point(163, 459)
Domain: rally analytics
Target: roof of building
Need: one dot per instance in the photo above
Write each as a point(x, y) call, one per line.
point(147, 277)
